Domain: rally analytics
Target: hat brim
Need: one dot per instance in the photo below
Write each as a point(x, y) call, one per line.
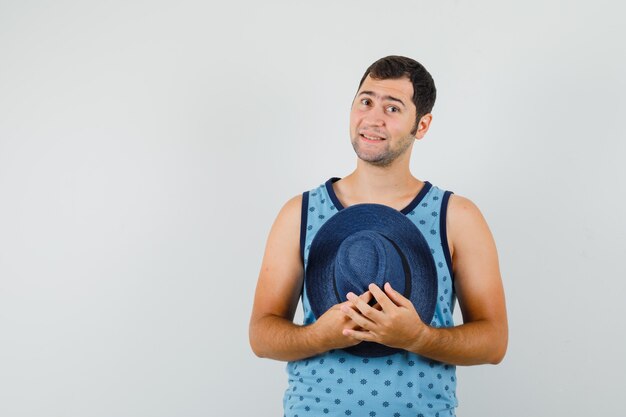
point(319, 281)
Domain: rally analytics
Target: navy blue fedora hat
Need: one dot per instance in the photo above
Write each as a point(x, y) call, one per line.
point(364, 244)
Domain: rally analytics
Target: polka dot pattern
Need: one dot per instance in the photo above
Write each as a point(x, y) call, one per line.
point(404, 384)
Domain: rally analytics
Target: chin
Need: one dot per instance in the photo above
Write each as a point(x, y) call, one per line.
point(374, 160)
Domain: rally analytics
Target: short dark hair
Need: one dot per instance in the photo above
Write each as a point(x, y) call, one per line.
point(394, 67)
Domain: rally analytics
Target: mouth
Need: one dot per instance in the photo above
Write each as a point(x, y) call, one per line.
point(371, 138)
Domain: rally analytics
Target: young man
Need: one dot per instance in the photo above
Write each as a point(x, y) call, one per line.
point(390, 111)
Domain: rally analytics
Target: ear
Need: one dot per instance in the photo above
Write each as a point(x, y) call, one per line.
point(423, 125)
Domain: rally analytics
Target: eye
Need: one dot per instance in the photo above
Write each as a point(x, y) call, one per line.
point(365, 101)
point(392, 109)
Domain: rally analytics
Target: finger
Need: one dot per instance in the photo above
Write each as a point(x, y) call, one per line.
point(356, 317)
point(364, 308)
point(382, 298)
point(359, 335)
point(366, 297)
point(396, 297)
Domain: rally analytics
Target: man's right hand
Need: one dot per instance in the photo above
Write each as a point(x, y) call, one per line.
point(328, 328)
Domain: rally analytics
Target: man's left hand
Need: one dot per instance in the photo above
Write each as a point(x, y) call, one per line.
point(396, 324)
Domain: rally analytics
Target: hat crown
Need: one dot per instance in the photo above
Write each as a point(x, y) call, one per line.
point(366, 257)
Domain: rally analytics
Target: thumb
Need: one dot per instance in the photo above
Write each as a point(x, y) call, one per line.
point(396, 297)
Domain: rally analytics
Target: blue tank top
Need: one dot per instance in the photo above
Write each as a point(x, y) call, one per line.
point(339, 384)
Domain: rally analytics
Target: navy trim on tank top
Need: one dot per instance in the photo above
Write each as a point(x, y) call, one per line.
point(444, 233)
point(331, 192)
point(303, 222)
point(425, 188)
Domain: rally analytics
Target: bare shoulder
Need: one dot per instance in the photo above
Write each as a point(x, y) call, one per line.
point(286, 226)
point(462, 208)
point(291, 210)
point(284, 237)
point(464, 220)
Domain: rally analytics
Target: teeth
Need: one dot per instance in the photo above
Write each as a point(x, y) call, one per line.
point(371, 138)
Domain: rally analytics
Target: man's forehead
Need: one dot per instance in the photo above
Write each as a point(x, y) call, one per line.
point(397, 87)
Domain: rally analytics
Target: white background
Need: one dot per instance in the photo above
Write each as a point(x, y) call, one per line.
point(146, 148)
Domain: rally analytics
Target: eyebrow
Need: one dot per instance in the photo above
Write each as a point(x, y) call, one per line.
point(391, 98)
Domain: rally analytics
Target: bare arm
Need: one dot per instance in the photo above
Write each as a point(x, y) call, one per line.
point(483, 336)
point(272, 331)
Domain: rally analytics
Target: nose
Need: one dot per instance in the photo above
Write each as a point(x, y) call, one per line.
point(375, 117)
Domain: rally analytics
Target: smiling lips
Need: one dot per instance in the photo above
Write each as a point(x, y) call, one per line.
point(371, 137)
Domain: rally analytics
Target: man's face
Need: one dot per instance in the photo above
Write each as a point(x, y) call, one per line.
point(382, 119)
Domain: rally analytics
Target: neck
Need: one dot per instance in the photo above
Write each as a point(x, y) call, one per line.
point(373, 182)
